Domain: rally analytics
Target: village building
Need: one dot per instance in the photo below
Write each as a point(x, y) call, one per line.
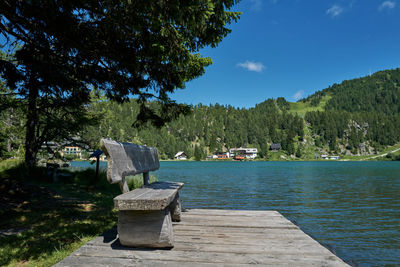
point(221, 155)
point(238, 157)
point(330, 157)
point(249, 153)
point(181, 156)
point(275, 147)
point(75, 151)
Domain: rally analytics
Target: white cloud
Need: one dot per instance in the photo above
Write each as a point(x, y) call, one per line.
point(298, 95)
point(334, 11)
point(387, 5)
point(251, 66)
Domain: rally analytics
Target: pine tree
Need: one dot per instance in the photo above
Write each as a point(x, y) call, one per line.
point(198, 153)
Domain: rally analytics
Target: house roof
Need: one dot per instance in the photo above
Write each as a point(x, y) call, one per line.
point(180, 153)
point(276, 146)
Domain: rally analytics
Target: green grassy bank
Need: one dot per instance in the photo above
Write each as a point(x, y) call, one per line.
point(42, 222)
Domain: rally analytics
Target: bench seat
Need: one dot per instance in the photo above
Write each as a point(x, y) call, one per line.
point(155, 196)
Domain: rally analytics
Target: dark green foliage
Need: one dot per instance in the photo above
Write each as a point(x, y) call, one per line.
point(394, 157)
point(354, 127)
point(290, 148)
point(282, 103)
point(315, 98)
point(379, 93)
point(206, 129)
point(359, 110)
point(198, 153)
point(58, 51)
point(299, 152)
point(318, 142)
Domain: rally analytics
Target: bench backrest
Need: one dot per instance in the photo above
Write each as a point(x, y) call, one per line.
point(128, 159)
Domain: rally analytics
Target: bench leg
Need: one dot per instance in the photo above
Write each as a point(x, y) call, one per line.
point(145, 228)
point(175, 208)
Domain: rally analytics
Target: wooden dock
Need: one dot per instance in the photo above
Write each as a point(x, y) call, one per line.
point(215, 238)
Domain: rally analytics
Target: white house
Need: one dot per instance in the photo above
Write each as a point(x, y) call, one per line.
point(330, 157)
point(71, 150)
point(181, 155)
point(250, 153)
point(221, 155)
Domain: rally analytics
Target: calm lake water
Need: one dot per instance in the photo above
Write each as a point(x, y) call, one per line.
point(351, 207)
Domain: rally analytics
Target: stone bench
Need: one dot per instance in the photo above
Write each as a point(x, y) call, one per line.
point(145, 214)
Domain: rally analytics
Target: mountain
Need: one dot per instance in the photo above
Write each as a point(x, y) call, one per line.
point(378, 93)
point(356, 117)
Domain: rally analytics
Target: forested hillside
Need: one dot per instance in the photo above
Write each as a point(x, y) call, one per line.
point(209, 128)
point(378, 93)
point(361, 116)
point(356, 117)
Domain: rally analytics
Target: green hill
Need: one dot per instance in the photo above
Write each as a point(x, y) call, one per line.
point(302, 107)
point(378, 93)
point(359, 116)
point(356, 117)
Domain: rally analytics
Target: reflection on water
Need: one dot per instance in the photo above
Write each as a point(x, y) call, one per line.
point(353, 207)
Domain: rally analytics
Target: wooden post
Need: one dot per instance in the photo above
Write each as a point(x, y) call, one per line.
point(96, 154)
point(146, 178)
point(97, 167)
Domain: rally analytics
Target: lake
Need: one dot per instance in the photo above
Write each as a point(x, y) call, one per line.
point(351, 207)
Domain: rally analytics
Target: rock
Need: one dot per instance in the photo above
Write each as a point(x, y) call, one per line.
point(145, 228)
point(126, 159)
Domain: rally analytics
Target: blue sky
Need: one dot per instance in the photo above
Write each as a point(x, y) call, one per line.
point(292, 48)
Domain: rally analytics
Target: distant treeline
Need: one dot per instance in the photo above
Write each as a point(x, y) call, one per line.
point(209, 128)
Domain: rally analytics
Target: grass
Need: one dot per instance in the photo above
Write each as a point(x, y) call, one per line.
point(137, 181)
point(302, 108)
point(51, 220)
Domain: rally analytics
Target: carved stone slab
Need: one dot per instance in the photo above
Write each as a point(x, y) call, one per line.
point(155, 196)
point(145, 228)
point(128, 159)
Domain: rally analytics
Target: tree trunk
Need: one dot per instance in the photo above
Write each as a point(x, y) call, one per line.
point(31, 146)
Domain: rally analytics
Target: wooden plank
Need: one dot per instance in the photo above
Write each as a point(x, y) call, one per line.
point(274, 234)
point(215, 238)
point(269, 257)
point(264, 219)
point(155, 196)
point(251, 213)
point(226, 236)
point(288, 247)
point(78, 261)
point(227, 229)
point(244, 223)
point(235, 231)
point(218, 239)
